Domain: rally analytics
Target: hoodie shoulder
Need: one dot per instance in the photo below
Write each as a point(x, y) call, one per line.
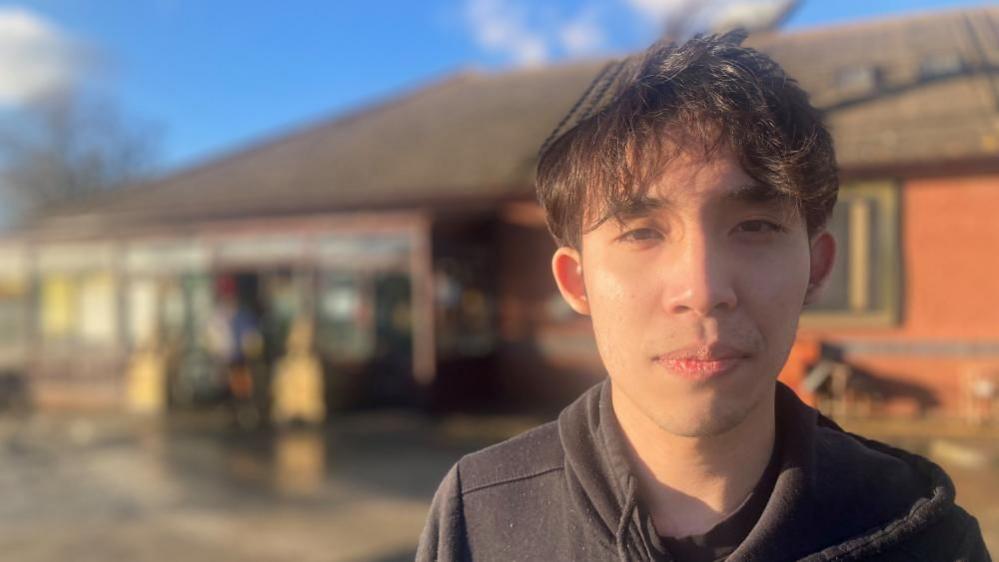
point(494, 502)
point(955, 536)
point(843, 497)
point(855, 459)
point(529, 455)
point(518, 503)
point(905, 501)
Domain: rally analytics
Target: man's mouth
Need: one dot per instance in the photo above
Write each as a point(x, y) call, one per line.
point(703, 361)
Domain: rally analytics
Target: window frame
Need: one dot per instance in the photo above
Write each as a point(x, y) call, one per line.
point(885, 194)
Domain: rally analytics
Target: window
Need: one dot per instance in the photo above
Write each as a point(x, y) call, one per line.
point(865, 285)
point(13, 311)
point(14, 301)
point(466, 307)
point(97, 311)
point(858, 79)
point(344, 329)
point(941, 65)
point(78, 309)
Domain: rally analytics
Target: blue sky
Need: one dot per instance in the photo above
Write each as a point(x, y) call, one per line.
point(215, 75)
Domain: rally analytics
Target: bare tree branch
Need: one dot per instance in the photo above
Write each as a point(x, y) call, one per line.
point(68, 147)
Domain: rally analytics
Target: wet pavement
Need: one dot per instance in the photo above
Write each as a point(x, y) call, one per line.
point(129, 489)
point(120, 488)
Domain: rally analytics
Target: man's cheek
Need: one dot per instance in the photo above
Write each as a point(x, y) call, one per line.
point(613, 293)
point(779, 284)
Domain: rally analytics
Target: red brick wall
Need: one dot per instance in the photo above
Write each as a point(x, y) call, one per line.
point(949, 232)
point(951, 252)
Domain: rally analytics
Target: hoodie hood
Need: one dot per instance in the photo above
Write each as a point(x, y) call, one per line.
point(837, 496)
point(597, 473)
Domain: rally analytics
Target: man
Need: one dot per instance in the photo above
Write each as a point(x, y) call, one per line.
point(688, 192)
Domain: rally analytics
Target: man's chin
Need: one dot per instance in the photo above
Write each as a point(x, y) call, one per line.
point(710, 419)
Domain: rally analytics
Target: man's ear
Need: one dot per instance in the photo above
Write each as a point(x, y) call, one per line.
point(822, 260)
point(567, 267)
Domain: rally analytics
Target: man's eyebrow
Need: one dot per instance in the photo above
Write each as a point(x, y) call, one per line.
point(755, 193)
point(640, 206)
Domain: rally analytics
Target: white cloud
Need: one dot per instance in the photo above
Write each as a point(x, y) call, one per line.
point(502, 28)
point(582, 35)
point(528, 34)
point(745, 13)
point(713, 14)
point(35, 57)
point(656, 10)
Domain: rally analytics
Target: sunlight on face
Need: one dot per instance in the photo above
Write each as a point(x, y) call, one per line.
point(695, 295)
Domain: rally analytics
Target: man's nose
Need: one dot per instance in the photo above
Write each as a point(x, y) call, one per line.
point(699, 278)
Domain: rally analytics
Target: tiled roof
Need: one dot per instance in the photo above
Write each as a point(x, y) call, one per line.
point(900, 91)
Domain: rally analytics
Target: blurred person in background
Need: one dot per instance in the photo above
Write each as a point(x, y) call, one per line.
point(688, 191)
point(238, 339)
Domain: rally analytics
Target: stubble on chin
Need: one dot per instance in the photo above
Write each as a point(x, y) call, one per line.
point(717, 417)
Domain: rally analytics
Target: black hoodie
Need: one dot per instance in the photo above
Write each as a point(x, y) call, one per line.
point(564, 491)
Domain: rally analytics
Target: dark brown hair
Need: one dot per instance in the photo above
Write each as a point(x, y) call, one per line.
point(706, 94)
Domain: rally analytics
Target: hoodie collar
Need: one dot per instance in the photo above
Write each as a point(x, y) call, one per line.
point(826, 502)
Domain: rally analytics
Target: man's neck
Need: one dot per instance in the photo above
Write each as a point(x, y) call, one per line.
point(690, 484)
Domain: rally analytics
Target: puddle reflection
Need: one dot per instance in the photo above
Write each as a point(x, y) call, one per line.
point(299, 462)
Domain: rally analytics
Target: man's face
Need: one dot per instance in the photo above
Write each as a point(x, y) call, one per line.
point(695, 295)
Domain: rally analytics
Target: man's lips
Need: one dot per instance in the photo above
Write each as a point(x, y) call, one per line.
point(702, 362)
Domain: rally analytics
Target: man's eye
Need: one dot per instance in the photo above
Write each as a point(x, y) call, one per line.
point(760, 227)
point(641, 235)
